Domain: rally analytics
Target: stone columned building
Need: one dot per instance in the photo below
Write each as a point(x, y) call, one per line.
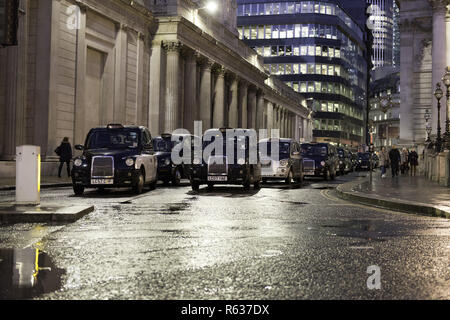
point(425, 53)
point(160, 63)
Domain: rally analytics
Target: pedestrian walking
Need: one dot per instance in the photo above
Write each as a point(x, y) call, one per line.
point(395, 158)
point(64, 151)
point(413, 162)
point(404, 161)
point(384, 161)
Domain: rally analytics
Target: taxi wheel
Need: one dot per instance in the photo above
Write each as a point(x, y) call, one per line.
point(327, 175)
point(247, 185)
point(195, 186)
point(176, 178)
point(299, 180)
point(333, 176)
point(79, 190)
point(139, 185)
point(153, 184)
point(257, 185)
point(101, 190)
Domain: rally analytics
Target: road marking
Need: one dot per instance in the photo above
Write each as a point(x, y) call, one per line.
point(362, 248)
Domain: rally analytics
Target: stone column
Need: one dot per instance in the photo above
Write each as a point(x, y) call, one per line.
point(281, 122)
point(120, 75)
point(219, 98)
point(156, 97)
point(251, 112)
point(260, 110)
point(80, 104)
point(205, 92)
point(270, 118)
point(233, 113)
point(439, 54)
point(243, 104)
point(190, 89)
point(172, 86)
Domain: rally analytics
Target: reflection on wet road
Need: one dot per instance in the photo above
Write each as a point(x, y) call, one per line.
point(27, 273)
point(276, 243)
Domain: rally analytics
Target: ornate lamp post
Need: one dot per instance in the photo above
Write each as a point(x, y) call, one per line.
point(438, 93)
point(386, 105)
point(428, 125)
point(446, 81)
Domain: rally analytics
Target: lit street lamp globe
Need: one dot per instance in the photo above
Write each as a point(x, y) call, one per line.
point(438, 93)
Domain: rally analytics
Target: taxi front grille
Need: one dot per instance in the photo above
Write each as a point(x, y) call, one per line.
point(103, 167)
point(309, 165)
point(218, 166)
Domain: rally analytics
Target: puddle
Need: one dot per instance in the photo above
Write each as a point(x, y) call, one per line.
point(27, 274)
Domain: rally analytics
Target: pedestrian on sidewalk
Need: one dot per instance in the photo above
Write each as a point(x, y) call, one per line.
point(64, 151)
point(404, 161)
point(413, 162)
point(384, 161)
point(395, 158)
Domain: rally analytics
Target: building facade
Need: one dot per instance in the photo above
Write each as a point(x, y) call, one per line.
point(425, 53)
point(162, 64)
point(384, 116)
point(316, 48)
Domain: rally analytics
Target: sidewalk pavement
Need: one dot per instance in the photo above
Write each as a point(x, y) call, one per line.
point(416, 195)
point(8, 184)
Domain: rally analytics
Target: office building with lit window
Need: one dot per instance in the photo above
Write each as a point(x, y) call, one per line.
point(317, 49)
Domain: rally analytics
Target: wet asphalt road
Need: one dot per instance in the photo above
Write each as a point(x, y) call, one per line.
point(276, 243)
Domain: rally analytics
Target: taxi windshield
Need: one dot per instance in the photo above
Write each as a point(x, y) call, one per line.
point(113, 139)
point(283, 147)
point(364, 156)
point(161, 145)
point(310, 150)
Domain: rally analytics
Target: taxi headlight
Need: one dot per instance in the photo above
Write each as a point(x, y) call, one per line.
point(323, 163)
point(78, 163)
point(283, 163)
point(167, 161)
point(197, 161)
point(241, 162)
point(129, 162)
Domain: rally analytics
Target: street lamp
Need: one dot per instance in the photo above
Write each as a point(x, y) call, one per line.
point(211, 6)
point(428, 125)
point(438, 93)
point(446, 80)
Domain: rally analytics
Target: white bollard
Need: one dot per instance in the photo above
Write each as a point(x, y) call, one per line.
point(28, 175)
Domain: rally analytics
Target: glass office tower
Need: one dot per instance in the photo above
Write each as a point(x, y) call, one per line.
point(317, 49)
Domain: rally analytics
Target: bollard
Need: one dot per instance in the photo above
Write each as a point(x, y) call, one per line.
point(28, 175)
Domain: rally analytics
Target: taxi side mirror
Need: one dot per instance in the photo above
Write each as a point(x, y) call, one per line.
point(79, 147)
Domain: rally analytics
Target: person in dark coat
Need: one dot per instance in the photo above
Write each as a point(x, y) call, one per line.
point(413, 162)
point(64, 151)
point(395, 157)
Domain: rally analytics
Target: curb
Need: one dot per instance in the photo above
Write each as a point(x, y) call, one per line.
point(43, 186)
point(43, 214)
point(409, 207)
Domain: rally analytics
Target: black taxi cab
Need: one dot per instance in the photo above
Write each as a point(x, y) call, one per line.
point(228, 157)
point(115, 156)
point(320, 160)
point(284, 163)
point(345, 161)
point(168, 146)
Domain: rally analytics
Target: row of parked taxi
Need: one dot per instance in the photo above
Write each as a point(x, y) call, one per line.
point(119, 156)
